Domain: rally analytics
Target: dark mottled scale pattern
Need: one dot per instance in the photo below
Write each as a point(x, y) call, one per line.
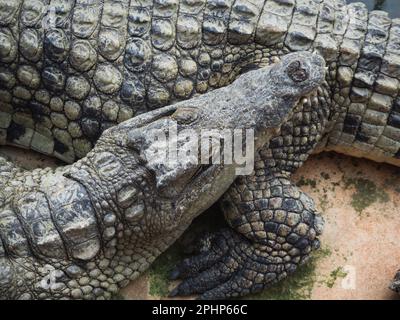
point(215, 21)
point(368, 85)
point(298, 137)
point(84, 66)
point(98, 63)
point(276, 215)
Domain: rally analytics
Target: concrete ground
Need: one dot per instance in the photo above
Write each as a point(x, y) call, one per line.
point(360, 252)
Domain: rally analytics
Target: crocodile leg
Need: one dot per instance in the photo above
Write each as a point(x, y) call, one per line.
point(274, 229)
point(274, 224)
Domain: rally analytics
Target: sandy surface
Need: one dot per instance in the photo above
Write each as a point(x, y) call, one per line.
point(360, 251)
point(360, 202)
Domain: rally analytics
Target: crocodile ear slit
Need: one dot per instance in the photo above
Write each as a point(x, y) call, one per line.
point(147, 118)
point(132, 125)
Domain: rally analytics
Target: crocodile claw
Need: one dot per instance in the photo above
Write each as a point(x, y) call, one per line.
point(230, 268)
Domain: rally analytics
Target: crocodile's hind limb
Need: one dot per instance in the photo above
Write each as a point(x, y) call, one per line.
point(85, 230)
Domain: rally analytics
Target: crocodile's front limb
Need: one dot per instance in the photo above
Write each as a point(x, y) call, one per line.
point(274, 224)
point(85, 230)
point(274, 229)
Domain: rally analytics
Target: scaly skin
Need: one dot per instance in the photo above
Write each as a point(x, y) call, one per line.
point(102, 62)
point(85, 230)
point(70, 72)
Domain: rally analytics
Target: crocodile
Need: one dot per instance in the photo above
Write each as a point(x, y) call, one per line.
point(85, 230)
point(70, 69)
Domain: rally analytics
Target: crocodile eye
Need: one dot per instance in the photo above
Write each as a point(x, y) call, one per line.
point(185, 115)
point(296, 72)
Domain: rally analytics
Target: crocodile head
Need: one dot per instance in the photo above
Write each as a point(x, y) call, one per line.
point(170, 140)
point(166, 178)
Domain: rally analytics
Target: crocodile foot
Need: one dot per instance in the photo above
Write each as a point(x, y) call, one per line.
point(228, 265)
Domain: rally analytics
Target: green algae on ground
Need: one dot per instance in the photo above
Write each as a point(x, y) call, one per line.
point(334, 275)
point(117, 296)
point(366, 193)
point(211, 220)
point(325, 175)
point(159, 272)
point(306, 182)
point(323, 202)
point(394, 181)
point(299, 285)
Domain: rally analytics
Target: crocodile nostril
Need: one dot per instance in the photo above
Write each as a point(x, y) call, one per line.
point(296, 72)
